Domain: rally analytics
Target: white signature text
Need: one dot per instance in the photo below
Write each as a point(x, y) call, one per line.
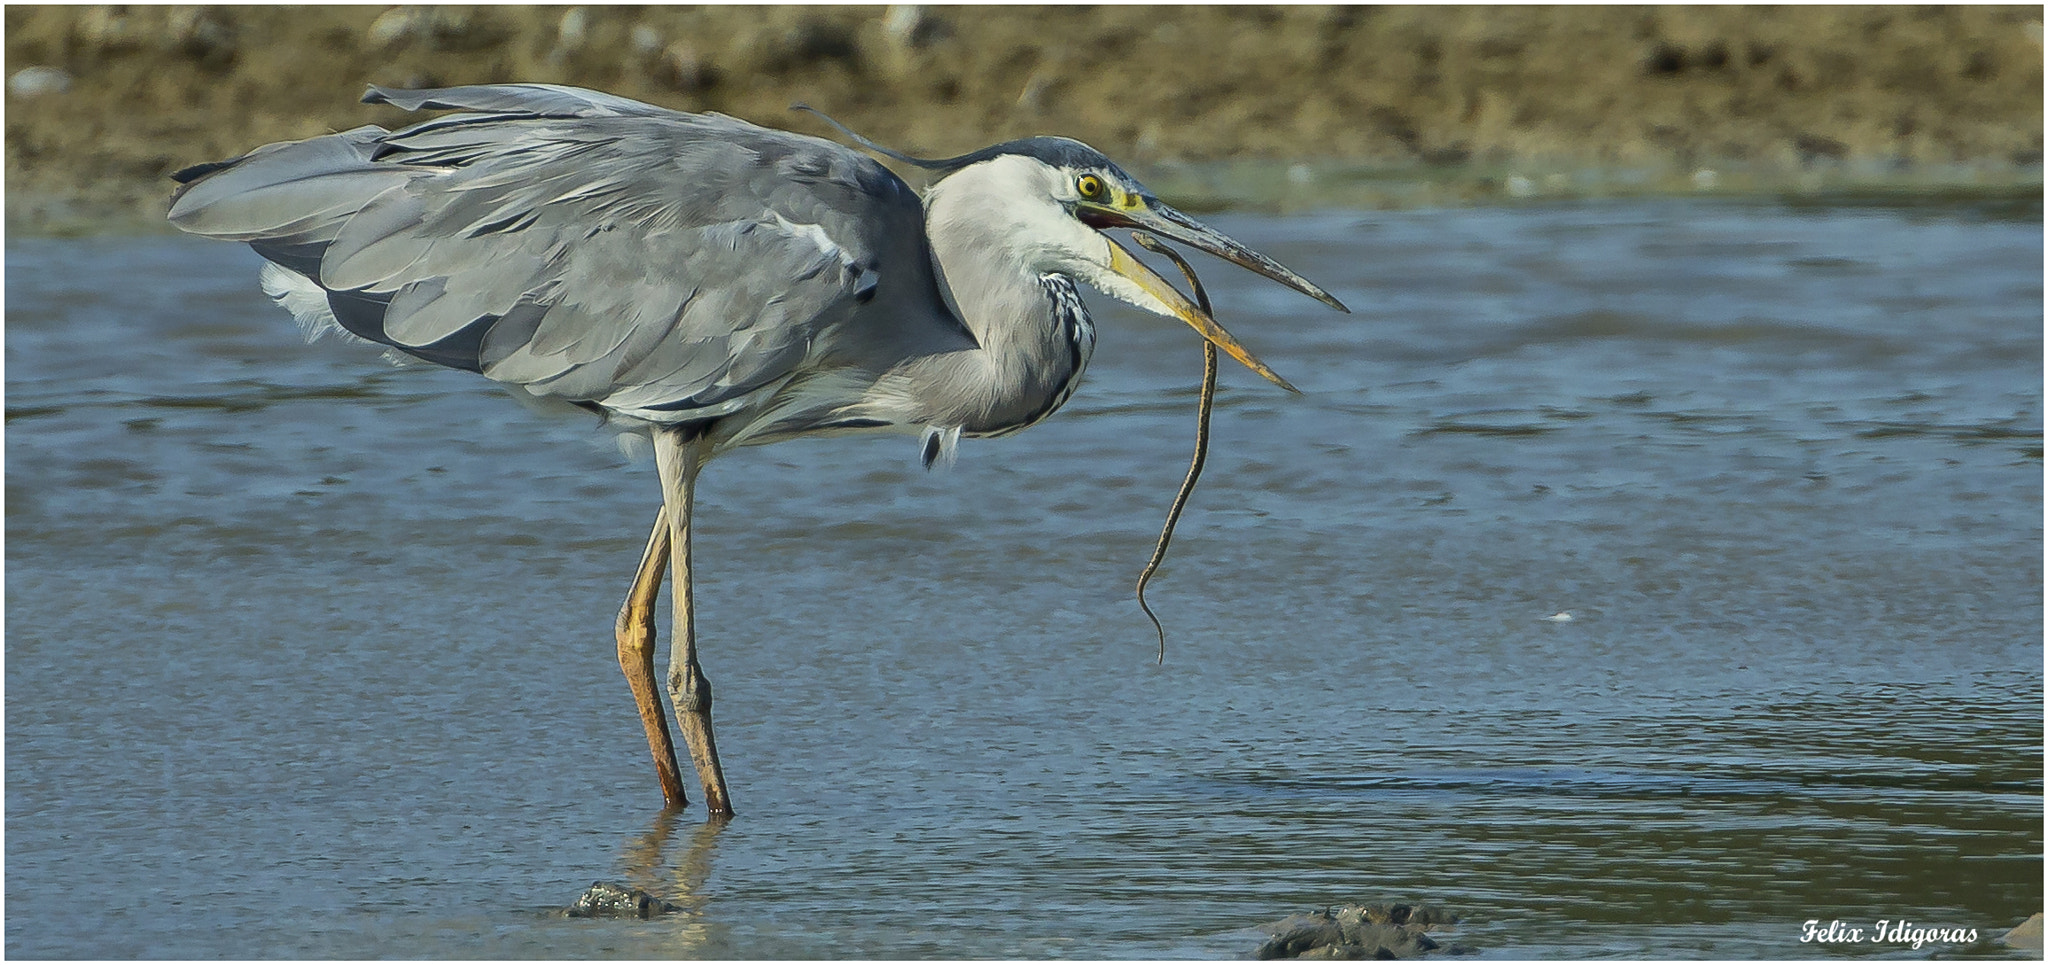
point(1885, 931)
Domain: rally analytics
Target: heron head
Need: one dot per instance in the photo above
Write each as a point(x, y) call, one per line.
point(1093, 192)
point(1049, 203)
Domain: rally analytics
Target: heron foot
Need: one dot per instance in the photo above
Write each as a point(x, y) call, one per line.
point(690, 692)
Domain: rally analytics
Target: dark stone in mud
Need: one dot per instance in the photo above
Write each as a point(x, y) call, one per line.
point(605, 900)
point(1352, 932)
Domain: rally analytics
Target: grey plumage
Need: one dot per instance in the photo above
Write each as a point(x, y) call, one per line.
point(659, 265)
point(708, 281)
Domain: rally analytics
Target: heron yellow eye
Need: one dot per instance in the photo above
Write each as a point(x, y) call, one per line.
point(1090, 187)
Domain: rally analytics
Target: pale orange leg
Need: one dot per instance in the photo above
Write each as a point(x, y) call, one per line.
point(679, 459)
point(635, 631)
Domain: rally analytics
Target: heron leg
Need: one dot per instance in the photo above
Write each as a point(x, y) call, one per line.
point(635, 631)
point(679, 459)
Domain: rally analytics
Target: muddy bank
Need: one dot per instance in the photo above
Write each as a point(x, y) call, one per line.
point(123, 96)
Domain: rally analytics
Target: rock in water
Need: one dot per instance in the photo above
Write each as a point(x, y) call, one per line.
point(2026, 935)
point(605, 900)
point(1359, 932)
point(1297, 934)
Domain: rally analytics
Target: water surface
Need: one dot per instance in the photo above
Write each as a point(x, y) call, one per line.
point(310, 656)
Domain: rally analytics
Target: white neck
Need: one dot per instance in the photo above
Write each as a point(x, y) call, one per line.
point(990, 255)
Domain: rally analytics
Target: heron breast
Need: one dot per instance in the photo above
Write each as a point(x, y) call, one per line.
point(1075, 333)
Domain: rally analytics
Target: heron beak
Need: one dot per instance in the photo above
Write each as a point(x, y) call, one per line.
point(1126, 264)
point(1148, 214)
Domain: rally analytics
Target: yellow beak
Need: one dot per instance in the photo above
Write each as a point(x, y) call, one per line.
point(1124, 263)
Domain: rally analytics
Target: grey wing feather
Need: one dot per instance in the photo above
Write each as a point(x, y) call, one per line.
point(283, 190)
point(655, 263)
point(537, 100)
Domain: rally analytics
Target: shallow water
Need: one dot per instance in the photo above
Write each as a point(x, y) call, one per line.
point(310, 656)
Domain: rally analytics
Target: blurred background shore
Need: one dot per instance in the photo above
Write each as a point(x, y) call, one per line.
point(1273, 106)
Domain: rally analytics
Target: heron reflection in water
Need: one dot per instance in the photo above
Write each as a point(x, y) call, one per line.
point(706, 282)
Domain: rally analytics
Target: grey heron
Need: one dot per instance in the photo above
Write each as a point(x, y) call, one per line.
point(705, 281)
